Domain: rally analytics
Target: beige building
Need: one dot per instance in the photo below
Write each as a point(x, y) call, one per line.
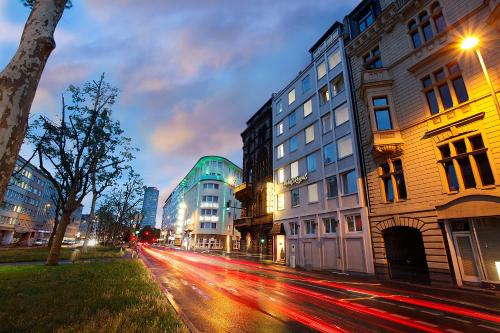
point(430, 137)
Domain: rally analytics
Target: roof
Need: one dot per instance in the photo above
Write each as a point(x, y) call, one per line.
point(327, 33)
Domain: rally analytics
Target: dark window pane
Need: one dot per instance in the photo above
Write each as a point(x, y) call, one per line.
point(427, 30)
point(467, 175)
point(460, 146)
point(401, 186)
point(415, 37)
point(451, 176)
point(359, 223)
point(366, 58)
point(377, 63)
point(350, 182)
point(423, 16)
point(398, 166)
point(445, 151)
point(432, 101)
point(389, 191)
point(453, 68)
point(329, 153)
point(427, 82)
point(412, 25)
point(476, 142)
point(385, 168)
point(376, 51)
point(444, 92)
point(292, 119)
point(439, 75)
point(440, 23)
point(383, 119)
point(295, 197)
point(380, 101)
point(332, 188)
point(460, 90)
point(484, 168)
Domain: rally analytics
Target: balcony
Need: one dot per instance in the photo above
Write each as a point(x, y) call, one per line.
point(387, 143)
point(244, 192)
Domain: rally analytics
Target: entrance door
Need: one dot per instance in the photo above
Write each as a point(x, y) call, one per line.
point(467, 257)
point(280, 247)
point(406, 254)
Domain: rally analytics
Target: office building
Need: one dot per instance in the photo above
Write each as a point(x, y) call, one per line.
point(149, 206)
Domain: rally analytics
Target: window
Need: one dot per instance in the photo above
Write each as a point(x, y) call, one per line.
point(306, 83)
point(337, 85)
point(414, 34)
point(292, 119)
point(295, 197)
point(210, 198)
point(354, 223)
point(341, 115)
point(326, 122)
point(308, 108)
point(209, 212)
point(437, 16)
point(424, 27)
point(294, 169)
point(279, 106)
point(294, 228)
point(311, 162)
point(330, 225)
point(324, 95)
point(332, 187)
point(309, 134)
point(344, 146)
point(329, 153)
point(373, 59)
point(312, 192)
point(460, 158)
point(291, 96)
point(279, 129)
point(349, 182)
point(311, 227)
point(293, 143)
point(439, 83)
point(211, 186)
point(365, 21)
point(382, 113)
point(321, 70)
point(280, 151)
point(281, 175)
point(334, 59)
point(280, 198)
point(391, 174)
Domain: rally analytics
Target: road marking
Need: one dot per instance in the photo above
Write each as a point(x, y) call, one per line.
point(406, 307)
point(400, 316)
point(432, 312)
point(425, 323)
point(451, 330)
point(385, 302)
point(458, 319)
point(489, 327)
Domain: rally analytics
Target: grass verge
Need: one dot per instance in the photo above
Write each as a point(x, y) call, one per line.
point(114, 296)
point(41, 253)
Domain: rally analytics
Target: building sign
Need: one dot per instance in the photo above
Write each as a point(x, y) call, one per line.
point(295, 181)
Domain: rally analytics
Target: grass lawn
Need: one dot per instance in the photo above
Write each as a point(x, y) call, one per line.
point(113, 296)
point(41, 253)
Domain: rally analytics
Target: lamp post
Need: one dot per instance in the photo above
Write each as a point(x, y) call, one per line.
point(472, 43)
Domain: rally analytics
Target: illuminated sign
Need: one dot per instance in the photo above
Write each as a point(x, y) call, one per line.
point(295, 181)
point(269, 197)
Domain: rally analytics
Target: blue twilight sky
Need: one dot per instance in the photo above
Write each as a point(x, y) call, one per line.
point(190, 72)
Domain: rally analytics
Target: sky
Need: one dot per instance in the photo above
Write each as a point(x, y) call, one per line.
point(190, 72)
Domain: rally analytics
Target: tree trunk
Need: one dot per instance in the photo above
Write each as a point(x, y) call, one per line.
point(19, 81)
point(55, 250)
point(53, 233)
point(91, 223)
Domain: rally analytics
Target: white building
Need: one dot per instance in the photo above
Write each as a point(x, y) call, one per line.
point(320, 198)
point(199, 213)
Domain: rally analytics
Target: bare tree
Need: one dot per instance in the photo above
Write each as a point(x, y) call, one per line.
point(69, 148)
point(19, 80)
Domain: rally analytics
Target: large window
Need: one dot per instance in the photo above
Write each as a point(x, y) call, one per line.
point(341, 115)
point(421, 28)
point(280, 151)
point(211, 186)
point(365, 21)
point(344, 146)
point(321, 70)
point(372, 59)
point(293, 143)
point(281, 175)
point(324, 95)
point(291, 96)
point(295, 196)
point(354, 223)
point(210, 198)
point(292, 119)
point(309, 134)
point(392, 177)
point(439, 85)
point(334, 59)
point(311, 227)
point(312, 192)
point(349, 182)
point(279, 129)
point(338, 85)
point(465, 163)
point(306, 83)
point(326, 122)
point(294, 169)
point(329, 153)
point(382, 113)
point(332, 189)
point(311, 162)
point(330, 225)
point(308, 108)
point(280, 204)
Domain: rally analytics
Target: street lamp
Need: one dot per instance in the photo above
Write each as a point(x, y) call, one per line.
point(231, 180)
point(471, 43)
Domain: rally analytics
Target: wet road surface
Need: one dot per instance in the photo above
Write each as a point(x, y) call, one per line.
point(221, 294)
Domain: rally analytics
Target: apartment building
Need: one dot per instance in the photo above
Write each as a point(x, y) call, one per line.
point(429, 124)
point(319, 191)
point(202, 208)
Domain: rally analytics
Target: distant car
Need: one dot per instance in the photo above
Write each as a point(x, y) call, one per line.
point(68, 242)
point(41, 241)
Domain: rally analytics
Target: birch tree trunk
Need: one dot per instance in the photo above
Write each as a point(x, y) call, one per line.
point(19, 81)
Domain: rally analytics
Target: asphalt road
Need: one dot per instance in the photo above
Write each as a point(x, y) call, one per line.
point(220, 294)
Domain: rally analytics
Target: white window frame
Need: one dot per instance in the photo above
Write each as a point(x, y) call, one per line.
point(321, 70)
point(280, 175)
point(342, 143)
point(343, 119)
point(312, 193)
point(308, 109)
point(294, 169)
point(335, 55)
point(280, 128)
point(309, 134)
point(280, 151)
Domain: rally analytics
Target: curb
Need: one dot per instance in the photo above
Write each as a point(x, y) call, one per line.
point(170, 297)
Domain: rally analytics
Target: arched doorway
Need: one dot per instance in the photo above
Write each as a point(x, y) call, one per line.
point(405, 251)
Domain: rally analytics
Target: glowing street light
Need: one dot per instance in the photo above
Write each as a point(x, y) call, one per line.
point(231, 180)
point(472, 43)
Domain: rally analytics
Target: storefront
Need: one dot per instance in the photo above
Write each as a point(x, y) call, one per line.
point(279, 241)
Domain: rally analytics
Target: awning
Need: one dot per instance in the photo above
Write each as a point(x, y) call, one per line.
point(277, 229)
